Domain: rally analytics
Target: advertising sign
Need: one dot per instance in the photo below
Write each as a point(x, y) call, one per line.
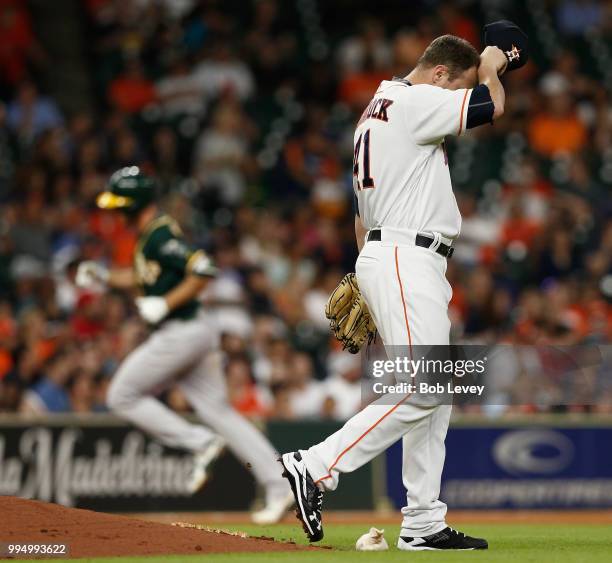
point(520, 467)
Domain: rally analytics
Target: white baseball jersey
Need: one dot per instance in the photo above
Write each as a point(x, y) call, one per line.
point(400, 168)
point(401, 181)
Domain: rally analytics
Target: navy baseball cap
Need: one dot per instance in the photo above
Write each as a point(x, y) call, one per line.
point(511, 39)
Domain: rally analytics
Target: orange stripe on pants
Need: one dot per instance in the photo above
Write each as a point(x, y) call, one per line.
point(399, 280)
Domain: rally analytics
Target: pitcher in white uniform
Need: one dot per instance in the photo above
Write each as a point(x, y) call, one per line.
point(406, 221)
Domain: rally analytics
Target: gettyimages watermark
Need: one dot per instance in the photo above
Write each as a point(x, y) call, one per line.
point(543, 376)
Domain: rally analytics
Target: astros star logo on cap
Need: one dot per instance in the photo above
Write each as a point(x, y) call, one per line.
point(513, 54)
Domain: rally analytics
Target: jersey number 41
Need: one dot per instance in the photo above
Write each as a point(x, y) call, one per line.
point(366, 180)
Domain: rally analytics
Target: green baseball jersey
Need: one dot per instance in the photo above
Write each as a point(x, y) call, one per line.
point(163, 259)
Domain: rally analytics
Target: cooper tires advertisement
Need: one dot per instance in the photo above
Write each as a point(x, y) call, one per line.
point(495, 468)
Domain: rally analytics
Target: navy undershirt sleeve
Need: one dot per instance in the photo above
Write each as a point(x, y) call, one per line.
point(480, 108)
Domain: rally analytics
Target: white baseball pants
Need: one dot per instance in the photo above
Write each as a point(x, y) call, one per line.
point(406, 289)
point(187, 353)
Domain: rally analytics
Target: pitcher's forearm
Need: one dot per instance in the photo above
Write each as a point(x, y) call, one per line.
point(493, 64)
point(488, 77)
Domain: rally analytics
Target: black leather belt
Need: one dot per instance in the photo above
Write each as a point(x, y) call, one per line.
point(421, 240)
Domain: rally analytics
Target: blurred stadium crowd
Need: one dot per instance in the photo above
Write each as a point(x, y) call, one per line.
point(245, 112)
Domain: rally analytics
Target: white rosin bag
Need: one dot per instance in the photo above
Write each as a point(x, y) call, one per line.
point(374, 540)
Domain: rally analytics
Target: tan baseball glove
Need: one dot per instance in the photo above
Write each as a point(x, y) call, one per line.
point(349, 316)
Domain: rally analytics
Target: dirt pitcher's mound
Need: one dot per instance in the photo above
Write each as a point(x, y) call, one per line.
point(93, 534)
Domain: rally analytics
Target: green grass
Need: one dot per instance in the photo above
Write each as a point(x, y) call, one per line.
point(507, 543)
